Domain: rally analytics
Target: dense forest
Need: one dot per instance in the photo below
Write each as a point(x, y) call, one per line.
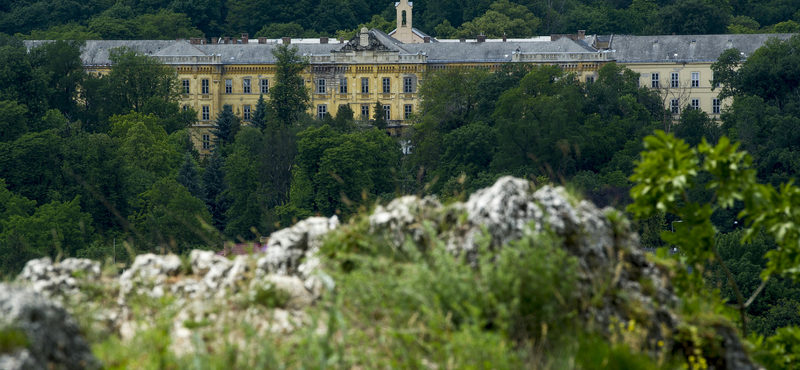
point(103, 166)
point(170, 19)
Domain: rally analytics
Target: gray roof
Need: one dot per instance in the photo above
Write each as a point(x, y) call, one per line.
point(493, 51)
point(685, 48)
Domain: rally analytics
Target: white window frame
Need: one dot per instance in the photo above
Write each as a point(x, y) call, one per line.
point(675, 106)
point(695, 104)
point(408, 85)
point(322, 110)
point(264, 84)
point(321, 89)
point(246, 86)
point(246, 112)
point(695, 79)
point(229, 86)
point(408, 109)
point(206, 113)
point(654, 80)
point(387, 112)
point(204, 86)
point(365, 85)
point(387, 85)
point(365, 110)
point(206, 141)
point(716, 106)
point(186, 86)
point(343, 85)
point(675, 80)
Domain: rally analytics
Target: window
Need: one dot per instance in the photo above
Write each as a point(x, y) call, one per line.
point(715, 106)
point(674, 80)
point(246, 86)
point(695, 79)
point(185, 108)
point(228, 86)
point(387, 85)
point(364, 110)
point(387, 112)
point(675, 106)
point(246, 112)
point(321, 86)
point(185, 86)
point(695, 103)
point(322, 110)
point(343, 86)
point(408, 85)
point(589, 79)
point(206, 141)
point(206, 113)
point(407, 109)
point(638, 83)
point(264, 86)
point(654, 80)
point(365, 85)
point(204, 86)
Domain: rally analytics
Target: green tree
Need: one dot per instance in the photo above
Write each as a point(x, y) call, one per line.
point(226, 125)
point(502, 18)
point(189, 178)
point(173, 219)
point(61, 61)
point(260, 116)
point(379, 116)
point(344, 122)
point(136, 80)
point(13, 120)
point(289, 96)
point(693, 17)
point(214, 187)
point(694, 126)
point(278, 30)
point(165, 25)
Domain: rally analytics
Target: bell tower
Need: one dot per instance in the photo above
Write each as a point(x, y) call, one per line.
point(403, 33)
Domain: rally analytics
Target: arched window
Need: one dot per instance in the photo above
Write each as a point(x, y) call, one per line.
point(404, 18)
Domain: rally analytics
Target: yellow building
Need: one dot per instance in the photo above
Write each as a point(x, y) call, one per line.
point(679, 67)
point(375, 67)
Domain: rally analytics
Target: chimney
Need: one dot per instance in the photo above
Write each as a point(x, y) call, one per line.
point(341, 40)
point(463, 39)
point(581, 34)
point(481, 38)
point(227, 40)
point(427, 39)
point(286, 40)
point(504, 37)
point(214, 40)
point(262, 40)
point(245, 38)
point(323, 40)
point(263, 240)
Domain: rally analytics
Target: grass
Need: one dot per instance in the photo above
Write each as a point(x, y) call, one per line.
point(12, 339)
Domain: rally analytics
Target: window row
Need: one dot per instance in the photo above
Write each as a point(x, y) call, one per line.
point(695, 104)
point(322, 86)
point(386, 85)
point(205, 89)
point(674, 80)
point(322, 110)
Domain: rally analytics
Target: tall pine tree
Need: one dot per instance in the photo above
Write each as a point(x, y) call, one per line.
point(259, 119)
point(189, 178)
point(214, 186)
point(225, 126)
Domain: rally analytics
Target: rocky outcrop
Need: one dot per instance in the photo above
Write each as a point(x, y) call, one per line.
point(53, 338)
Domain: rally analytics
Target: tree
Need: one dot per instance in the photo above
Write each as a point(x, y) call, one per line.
point(344, 119)
point(379, 117)
point(289, 96)
point(61, 60)
point(260, 116)
point(135, 80)
point(695, 126)
point(226, 125)
point(13, 120)
point(189, 178)
point(694, 17)
point(20, 80)
point(173, 219)
point(278, 30)
point(214, 187)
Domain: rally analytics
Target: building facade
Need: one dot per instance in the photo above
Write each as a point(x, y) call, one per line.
point(375, 67)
